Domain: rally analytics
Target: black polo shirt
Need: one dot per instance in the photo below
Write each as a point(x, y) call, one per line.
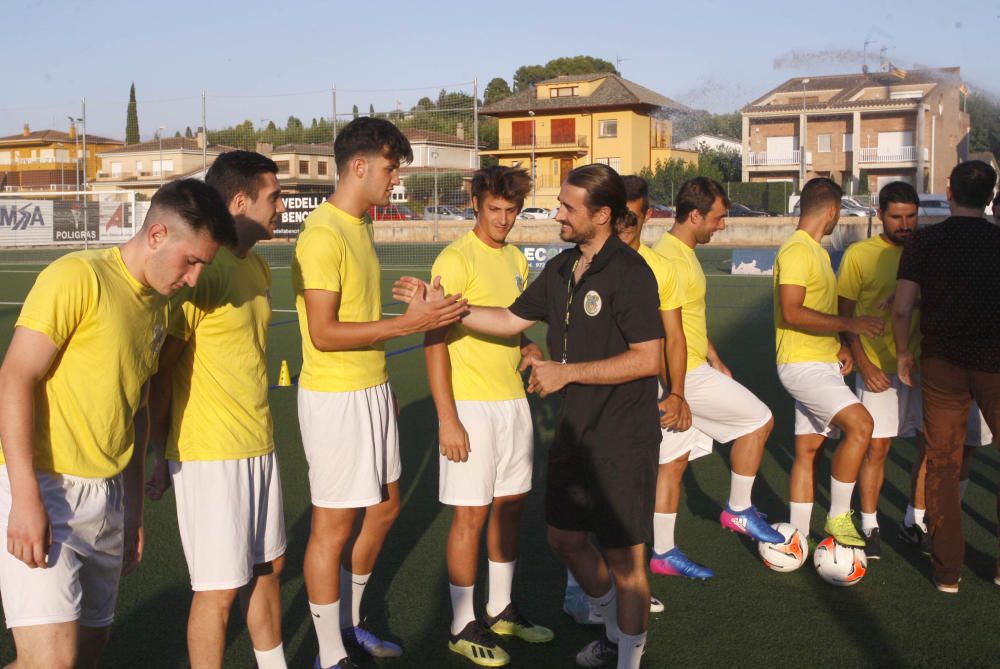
point(956, 263)
point(614, 304)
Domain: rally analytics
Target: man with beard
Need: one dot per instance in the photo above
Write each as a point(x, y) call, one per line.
point(212, 428)
point(812, 363)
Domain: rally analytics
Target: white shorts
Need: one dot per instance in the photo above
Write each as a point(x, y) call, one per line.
point(501, 451)
point(351, 441)
point(722, 410)
point(897, 412)
point(230, 517)
point(84, 560)
point(820, 393)
point(978, 433)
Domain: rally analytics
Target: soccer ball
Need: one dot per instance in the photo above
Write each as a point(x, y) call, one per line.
point(788, 555)
point(839, 565)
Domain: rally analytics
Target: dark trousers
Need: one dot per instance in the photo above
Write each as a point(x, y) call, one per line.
point(948, 393)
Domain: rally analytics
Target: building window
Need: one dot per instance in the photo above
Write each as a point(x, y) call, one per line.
point(608, 128)
point(282, 166)
point(563, 131)
point(138, 167)
point(116, 170)
point(823, 143)
point(321, 168)
point(166, 167)
point(848, 142)
point(5, 158)
point(564, 92)
point(304, 167)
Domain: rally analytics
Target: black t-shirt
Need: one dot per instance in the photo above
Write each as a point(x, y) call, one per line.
point(957, 266)
point(614, 304)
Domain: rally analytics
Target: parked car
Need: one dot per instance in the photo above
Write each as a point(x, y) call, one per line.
point(391, 212)
point(443, 212)
point(534, 213)
point(848, 207)
point(468, 213)
point(737, 210)
point(934, 205)
point(661, 211)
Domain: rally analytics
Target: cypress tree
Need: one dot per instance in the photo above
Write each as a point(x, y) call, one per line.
point(132, 119)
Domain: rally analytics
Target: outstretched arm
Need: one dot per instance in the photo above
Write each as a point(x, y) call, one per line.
point(902, 313)
point(640, 360)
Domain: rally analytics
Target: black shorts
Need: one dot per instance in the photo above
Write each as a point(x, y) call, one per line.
point(609, 494)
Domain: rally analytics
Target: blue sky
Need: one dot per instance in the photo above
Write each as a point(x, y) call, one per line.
point(265, 61)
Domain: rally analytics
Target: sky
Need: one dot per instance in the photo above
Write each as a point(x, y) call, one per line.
point(264, 61)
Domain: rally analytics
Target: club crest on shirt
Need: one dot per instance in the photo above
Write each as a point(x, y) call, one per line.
point(592, 303)
point(519, 281)
point(158, 335)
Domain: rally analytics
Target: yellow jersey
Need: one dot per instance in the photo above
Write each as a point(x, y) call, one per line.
point(801, 261)
point(868, 276)
point(691, 277)
point(483, 368)
point(220, 409)
point(667, 284)
point(108, 329)
point(336, 252)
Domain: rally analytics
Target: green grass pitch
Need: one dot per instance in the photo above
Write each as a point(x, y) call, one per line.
point(745, 616)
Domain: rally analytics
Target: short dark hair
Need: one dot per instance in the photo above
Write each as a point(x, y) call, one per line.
point(236, 172)
point(897, 192)
point(605, 188)
point(699, 193)
point(509, 183)
point(636, 188)
point(972, 184)
point(819, 192)
point(197, 204)
point(367, 135)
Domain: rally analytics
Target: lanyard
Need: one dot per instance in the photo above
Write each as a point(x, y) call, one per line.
point(569, 305)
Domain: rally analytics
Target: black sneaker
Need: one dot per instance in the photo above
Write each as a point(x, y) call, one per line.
point(873, 544)
point(914, 535)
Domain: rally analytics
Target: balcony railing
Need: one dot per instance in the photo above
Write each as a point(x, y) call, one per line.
point(760, 158)
point(900, 154)
point(541, 143)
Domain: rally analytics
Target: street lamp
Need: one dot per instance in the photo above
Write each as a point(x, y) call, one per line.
point(159, 135)
point(76, 151)
point(437, 212)
point(532, 115)
point(802, 138)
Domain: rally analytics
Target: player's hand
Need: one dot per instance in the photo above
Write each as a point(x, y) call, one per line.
point(905, 365)
point(29, 533)
point(675, 413)
point(454, 441)
point(134, 543)
point(547, 376)
point(159, 479)
point(425, 314)
point(846, 360)
point(868, 326)
point(405, 288)
point(529, 352)
point(875, 379)
point(720, 366)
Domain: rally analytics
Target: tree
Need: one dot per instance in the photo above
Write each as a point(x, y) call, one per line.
point(177, 133)
point(496, 90)
point(371, 110)
point(984, 119)
point(698, 121)
point(132, 119)
point(527, 75)
point(354, 111)
point(187, 132)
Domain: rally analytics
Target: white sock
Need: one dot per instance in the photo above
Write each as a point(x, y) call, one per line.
point(352, 588)
point(840, 497)
point(739, 491)
point(962, 485)
point(571, 580)
point(501, 583)
point(271, 659)
point(326, 621)
point(918, 518)
point(630, 647)
point(869, 521)
point(462, 610)
point(663, 532)
point(607, 605)
point(801, 516)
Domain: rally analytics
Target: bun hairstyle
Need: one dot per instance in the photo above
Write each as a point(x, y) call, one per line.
point(604, 188)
